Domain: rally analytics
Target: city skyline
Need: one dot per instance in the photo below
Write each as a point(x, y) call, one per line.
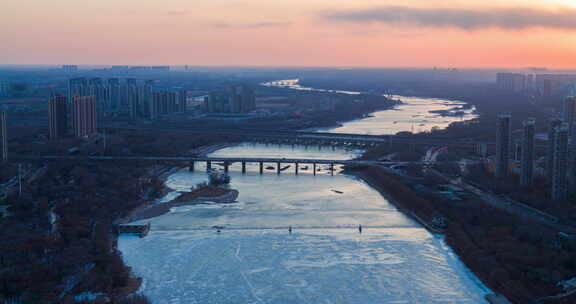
point(449, 33)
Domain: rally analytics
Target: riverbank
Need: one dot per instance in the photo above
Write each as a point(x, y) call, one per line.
point(205, 150)
point(397, 194)
point(508, 254)
point(383, 190)
point(204, 195)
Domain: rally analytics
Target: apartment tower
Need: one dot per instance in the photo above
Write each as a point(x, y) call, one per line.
point(3, 135)
point(58, 116)
point(527, 154)
point(84, 117)
point(560, 169)
point(503, 138)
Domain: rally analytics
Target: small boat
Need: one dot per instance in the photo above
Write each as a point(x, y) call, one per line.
point(218, 178)
point(304, 168)
point(269, 168)
point(284, 168)
point(336, 191)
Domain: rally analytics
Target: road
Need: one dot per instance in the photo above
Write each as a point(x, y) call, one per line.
point(510, 206)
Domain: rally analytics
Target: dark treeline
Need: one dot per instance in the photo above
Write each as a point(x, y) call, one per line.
point(520, 259)
point(58, 239)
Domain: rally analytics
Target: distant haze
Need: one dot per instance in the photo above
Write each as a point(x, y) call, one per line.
point(384, 33)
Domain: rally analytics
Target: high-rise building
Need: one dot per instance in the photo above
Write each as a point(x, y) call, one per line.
point(97, 89)
point(517, 149)
point(530, 85)
point(182, 100)
point(554, 84)
point(58, 116)
point(217, 103)
point(172, 99)
point(128, 92)
point(4, 89)
point(114, 94)
point(552, 125)
point(248, 99)
point(240, 99)
point(560, 168)
point(70, 68)
point(511, 82)
point(163, 102)
point(78, 87)
point(503, 137)
point(133, 100)
point(235, 99)
point(527, 158)
point(569, 111)
point(155, 106)
point(3, 135)
point(569, 114)
point(84, 115)
point(145, 97)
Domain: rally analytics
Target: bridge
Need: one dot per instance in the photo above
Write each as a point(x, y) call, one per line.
point(314, 138)
point(227, 161)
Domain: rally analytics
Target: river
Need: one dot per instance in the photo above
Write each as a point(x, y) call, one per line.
point(412, 115)
point(325, 259)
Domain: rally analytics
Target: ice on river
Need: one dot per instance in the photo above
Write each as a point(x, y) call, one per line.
point(399, 265)
point(325, 260)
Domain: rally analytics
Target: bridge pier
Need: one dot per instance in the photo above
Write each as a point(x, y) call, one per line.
point(226, 167)
point(278, 168)
point(261, 168)
point(243, 167)
point(332, 169)
point(314, 168)
point(297, 167)
point(208, 165)
point(191, 167)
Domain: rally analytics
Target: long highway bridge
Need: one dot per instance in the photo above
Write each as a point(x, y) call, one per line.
point(308, 137)
point(225, 161)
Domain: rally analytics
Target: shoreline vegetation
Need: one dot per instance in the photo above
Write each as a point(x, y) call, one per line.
point(116, 195)
point(484, 239)
point(151, 209)
point(203, 194)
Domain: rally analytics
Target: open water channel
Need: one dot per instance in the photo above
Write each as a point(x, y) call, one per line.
point(325, 259)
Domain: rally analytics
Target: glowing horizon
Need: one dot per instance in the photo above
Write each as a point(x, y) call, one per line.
point(346, 33)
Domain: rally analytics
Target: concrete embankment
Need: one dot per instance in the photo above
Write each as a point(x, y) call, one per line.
point(387, 193)
point(422, 210)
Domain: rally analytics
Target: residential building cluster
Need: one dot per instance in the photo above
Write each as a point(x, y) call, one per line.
point(80, 114)
point(236, 100)
point(69, 68)
point(131, 96)
point(4, 89)
point(89, 97)
point(561, 152)
point(129, 68)
point(546, 85)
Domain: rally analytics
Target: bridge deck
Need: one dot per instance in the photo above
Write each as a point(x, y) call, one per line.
point(230, 160)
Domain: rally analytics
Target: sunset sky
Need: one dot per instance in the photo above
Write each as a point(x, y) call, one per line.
point(372, 33)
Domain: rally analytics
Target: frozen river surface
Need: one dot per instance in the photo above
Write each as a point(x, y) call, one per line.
point(325, 259)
